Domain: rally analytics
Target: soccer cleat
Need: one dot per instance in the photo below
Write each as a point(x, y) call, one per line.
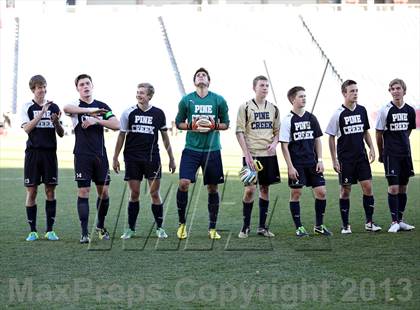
point(405, 226)
point(84, 239)
point(395, 227)
point(346, 230)
point(301, 232)
point(128, 233)
point(161, 234)
point(182, 231)
point(322, 230)
point(371, 226)
point(213, 234)
point(244, 233)
point(33, 235)
point(262, 231)
point(51, 235)
point(102, 233)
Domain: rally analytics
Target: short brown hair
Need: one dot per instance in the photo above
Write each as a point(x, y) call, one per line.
point(201, 70)
point(291, 94)
point(37, 80)
point(149, 87)
point(398, 81)
point(345, 84)
point(258, 78)
point(82, 76)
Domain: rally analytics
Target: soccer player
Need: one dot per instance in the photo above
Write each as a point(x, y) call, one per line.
point(140, 126)
point(350, 124)
point(41, 121)
point(393, 127)
point(257, 131)
point(89, 117)
point(203, 113)
point(301, 145)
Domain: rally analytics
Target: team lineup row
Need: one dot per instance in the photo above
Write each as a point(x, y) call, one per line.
point(203, 114)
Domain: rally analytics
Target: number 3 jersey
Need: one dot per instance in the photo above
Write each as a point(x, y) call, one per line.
point(300, 132)
point(142, 132)
point(349, 127)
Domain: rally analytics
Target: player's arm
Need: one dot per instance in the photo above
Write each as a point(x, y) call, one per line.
point(272, 146)
point(368, 140)
point(29, 126)
point(168, 147)
point(291, 171)
point(333, 152)
point(111, 123)
point(318, 152)
point(118, 146)
point(74, 109)
point(242, 143)
point(380, 144)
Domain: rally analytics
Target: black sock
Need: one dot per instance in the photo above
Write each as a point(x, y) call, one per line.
point(247, 211)
point(181, 202)
point(50, 210)
point(319, 211)
point(31, 215)
point(393, 206)
point(133, 211)
point(83, 211)
point(402, 202)
point(102, 206)
point(158, 214)
point(369, 206)
point(295, 210)
point(213, 207)
point(344, 210)
point(263, 204)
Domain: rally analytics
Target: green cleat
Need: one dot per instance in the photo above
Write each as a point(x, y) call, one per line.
point(128, 233)
point(213, 234)
point(301, 232)
point(322, 230)
point(33, 235)
point(182, 231)
point(161, 234)
point(103, 234)
point(51, 235)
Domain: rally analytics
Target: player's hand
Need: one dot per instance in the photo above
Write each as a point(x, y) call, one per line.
point(249, 161)
point(293, 174)
point(55, 118)
point(97, 112)
point(271, 148)
point(89, 121)
point(116, 165)
point(172, 165)
point(46, 106)
point(336, 166)
point(371, 155)
point(320, 167)
point(204, 124)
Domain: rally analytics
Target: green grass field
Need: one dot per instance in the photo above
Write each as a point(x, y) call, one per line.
point(373, 271)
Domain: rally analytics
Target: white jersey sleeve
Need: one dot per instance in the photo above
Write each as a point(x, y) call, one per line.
point(285, 128)
point(24, 117)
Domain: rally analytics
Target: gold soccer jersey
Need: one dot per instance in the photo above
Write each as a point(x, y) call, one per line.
point(259, 124)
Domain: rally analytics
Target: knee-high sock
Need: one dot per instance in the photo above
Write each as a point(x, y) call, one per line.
point(83, 211)
point(31, 215)
point(369, 206)
point(263, 205)
point(344, 211)
point(50, 211)
point(158, 214)
point(102, 206)
point(181, 202)
point(246, 212)
point(393, 206)
point(295, 211)
point(213, 207)
point(402, 202)
point(133, 211)
point(319, 211)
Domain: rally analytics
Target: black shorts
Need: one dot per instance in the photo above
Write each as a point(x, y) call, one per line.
point(40, 167)
point(270, 173)
point(210, 163)
point(398, 169)
point(89, 168)
point(355, 171)
point(307, 177)
point(135, 170)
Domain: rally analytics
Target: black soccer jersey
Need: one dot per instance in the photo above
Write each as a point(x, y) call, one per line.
point(142, 128)
point(89, 141)
point(349, 128)
point(43, 135)
point(396, 124)
point(300, 133)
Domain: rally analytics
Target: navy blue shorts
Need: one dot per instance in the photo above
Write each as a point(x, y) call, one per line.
point(398, 169)
point(355, 171)
point(135, 170)
point(40, 167)
point(307, 177)
point(210, 163)
point(89, 168)
point(270, 173)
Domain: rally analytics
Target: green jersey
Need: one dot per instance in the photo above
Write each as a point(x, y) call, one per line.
point(212, 105)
